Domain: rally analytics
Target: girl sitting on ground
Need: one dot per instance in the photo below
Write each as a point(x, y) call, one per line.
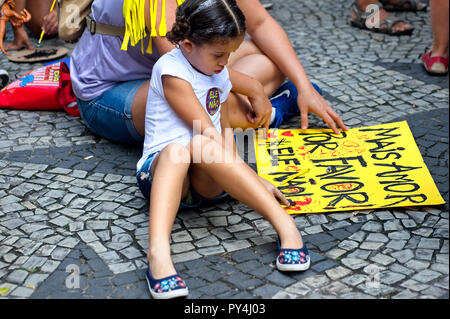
point(188, 87)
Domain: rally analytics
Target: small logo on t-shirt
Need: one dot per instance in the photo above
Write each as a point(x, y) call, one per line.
point(212, 101)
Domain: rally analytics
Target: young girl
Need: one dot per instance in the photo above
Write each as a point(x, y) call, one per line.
point(189, 85)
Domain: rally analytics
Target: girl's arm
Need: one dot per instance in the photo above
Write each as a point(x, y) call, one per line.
point(181, 97)
point(270, 37)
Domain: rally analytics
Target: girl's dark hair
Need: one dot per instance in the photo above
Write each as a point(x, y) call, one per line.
point(203, 21)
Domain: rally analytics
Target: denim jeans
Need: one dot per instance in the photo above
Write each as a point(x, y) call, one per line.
point(109, 115)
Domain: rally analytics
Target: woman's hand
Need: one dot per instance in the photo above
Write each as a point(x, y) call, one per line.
point(274, 191)
point(310, 100)
point(50, 23)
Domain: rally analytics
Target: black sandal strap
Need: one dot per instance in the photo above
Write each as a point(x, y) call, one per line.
point(362, 15)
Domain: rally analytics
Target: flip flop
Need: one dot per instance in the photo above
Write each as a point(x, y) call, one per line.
point(414, 6)
point(362, 16)
point(437, 65)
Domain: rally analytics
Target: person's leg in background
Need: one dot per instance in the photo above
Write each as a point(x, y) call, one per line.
point(38, 10)
point(396, 27)
point(436, 60)
point(439, 23)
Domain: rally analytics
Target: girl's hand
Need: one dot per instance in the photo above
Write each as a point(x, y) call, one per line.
point(274, 191)
point(262, 110)
point(311, 101)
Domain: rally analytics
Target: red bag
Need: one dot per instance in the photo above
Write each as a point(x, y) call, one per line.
point(47, 88)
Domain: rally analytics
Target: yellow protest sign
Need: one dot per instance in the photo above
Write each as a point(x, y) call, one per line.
point(362, 168)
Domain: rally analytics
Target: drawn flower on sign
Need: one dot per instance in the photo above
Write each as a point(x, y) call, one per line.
point(287, 133)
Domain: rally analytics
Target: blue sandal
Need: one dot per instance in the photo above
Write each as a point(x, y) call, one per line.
point(166, 288)
point(293, 259)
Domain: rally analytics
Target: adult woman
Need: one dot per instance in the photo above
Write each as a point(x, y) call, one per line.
point(112, 85)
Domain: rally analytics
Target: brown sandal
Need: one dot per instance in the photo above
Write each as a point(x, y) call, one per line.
point(361, 22)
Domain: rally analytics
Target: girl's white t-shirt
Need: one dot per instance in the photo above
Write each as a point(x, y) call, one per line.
point(162, 124)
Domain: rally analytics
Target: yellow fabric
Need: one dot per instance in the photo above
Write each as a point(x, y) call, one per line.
point(134, 15)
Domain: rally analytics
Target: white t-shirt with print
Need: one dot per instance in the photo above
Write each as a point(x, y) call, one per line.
point(162, 124)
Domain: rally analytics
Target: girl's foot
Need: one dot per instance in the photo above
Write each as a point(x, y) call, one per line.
point(160, 263)
point(162, 279)
point(166, 288)
point(292, 254)
point(291, 240)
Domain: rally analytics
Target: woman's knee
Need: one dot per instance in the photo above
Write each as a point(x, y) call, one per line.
point(252, 61)
point(248, 47)
point(38, 10)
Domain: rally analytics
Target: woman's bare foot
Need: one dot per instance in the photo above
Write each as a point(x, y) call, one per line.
point(397, 27)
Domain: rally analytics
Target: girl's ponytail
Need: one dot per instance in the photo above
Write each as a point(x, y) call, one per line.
point(180, 30)
point(203, 21)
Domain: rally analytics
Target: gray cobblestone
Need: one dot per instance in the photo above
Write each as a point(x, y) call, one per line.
point(52, 201)
point(430, 243)
point(426, 275)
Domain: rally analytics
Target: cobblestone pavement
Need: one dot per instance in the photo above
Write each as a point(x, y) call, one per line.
point(69, 199)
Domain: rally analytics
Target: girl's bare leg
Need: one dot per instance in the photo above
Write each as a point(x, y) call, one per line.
point(242, 183)
point(20, 34)
point(169, 185)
